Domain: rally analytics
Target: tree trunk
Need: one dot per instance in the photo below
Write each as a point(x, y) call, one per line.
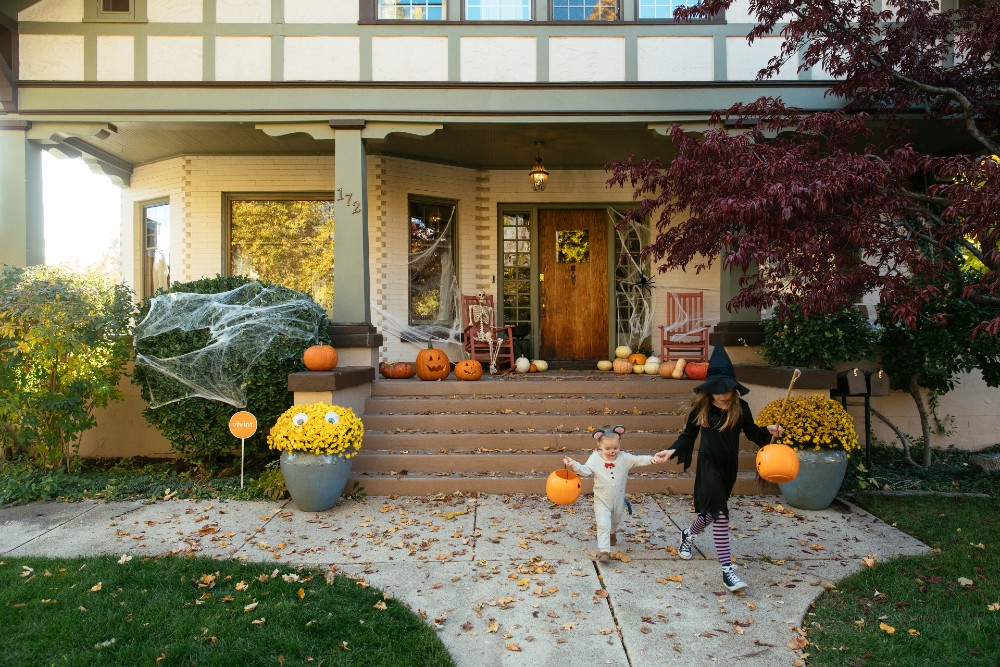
point(925, 423)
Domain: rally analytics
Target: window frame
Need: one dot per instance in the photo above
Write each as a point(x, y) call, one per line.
point(146, 288)
point(425, 200)
point(532, 18)
point(93, 13)
point(372, 14)
point(617, 19)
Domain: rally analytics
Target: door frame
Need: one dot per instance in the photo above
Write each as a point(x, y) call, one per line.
point(532, 211)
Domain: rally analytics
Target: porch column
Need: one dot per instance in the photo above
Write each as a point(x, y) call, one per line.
point(351, 296)
point(22, 224)
point(739, 327)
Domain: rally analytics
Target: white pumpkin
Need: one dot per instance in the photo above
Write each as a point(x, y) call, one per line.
point(638, 369)
point(656, 359)
point(522, 365)
point(541, 365)
point(622, 351)
point(604, 365)
point(652, 366)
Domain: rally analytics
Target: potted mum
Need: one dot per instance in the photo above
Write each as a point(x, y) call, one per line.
point(317, 442)
point(823, 435)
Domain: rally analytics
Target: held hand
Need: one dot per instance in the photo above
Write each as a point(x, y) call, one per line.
point(568, 462)
point(663, 456)
point(774, 429)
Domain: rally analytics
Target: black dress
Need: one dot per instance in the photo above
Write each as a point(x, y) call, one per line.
point(718, 457)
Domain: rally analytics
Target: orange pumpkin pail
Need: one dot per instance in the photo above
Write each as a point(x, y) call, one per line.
point(563, 486)
point(777, 463)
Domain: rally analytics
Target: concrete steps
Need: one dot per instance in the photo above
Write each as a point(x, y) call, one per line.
point(505, 434)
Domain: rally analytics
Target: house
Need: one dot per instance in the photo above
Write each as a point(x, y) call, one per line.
point(241, 131)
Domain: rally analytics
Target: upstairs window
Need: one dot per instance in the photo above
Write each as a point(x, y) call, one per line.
point(412, 10)
point(662, 9)
point(498, 10)
point(585, 10)
point(121, 11)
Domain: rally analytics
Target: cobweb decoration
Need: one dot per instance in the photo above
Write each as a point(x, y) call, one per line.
point(633, 283)
point(447, 327)
point(236, 327)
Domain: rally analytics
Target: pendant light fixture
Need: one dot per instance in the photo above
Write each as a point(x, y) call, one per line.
point(538, 176)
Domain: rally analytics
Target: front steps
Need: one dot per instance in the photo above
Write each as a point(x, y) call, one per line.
point(505, 434)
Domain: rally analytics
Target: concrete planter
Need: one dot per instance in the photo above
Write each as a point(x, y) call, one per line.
point(820, 476)
point(314, 482)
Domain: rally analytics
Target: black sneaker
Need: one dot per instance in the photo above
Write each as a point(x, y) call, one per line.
point(687, 544)
point(732, 580)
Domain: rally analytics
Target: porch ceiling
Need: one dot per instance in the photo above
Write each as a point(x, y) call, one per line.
point(482, 146)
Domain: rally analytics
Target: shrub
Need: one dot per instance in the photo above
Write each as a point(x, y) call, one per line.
point(195, 372)
point(819, 341)
point(63, 348)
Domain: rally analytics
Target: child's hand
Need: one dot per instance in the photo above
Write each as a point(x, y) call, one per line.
point(774, 429)
point(568, 462)
point(663, 456)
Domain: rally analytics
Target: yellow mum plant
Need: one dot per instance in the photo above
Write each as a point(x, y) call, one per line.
point(812, 422)
point(318, 428)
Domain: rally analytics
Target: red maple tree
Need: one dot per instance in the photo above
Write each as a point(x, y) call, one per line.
point(832, 205)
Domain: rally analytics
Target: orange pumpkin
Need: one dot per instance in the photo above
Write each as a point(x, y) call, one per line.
point(777, 463)
point(432, 364)
point(468, 369)
point(563, 487)
point(622, 366)
point(696, 370)
point(397, 370)
point(637, 359)
point(320, 358)
point(666, 369)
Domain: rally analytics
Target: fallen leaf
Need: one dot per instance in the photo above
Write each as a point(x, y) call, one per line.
point(513, 647)
point(121, 561)
point(241, 586)
point(869, 561)
point(259, 621)
point(993, 607)
point(962, 581)
point(380, 605)
point(885, 627)
point(251, 606)
point(606, 631)
point(493, 625)
point(914, 633)
point(96, 587)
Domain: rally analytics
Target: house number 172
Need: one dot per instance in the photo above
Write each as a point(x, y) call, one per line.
point(355, 206)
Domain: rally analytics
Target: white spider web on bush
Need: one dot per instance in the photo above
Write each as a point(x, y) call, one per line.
point(241, 325)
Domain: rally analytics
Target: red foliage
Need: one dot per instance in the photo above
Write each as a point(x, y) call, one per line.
point(831, 205)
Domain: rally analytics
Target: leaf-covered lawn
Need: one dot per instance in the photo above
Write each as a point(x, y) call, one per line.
point(185, 611)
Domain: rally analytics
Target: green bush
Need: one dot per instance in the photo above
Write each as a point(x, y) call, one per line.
point(198, 427)
point(63, 348)
point(819, 341)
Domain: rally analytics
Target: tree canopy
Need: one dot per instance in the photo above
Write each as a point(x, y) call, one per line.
point(832, 205)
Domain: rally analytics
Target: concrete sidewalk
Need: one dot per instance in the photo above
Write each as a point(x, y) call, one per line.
point(512, 580)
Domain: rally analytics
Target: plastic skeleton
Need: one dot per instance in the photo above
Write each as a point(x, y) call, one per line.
point(482, 320)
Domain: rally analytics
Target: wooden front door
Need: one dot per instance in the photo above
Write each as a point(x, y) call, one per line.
point(573, 284)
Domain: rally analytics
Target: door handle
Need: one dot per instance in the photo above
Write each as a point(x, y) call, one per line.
point(542, 303)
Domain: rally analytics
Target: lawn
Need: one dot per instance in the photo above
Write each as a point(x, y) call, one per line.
point(942, 608)
point(186, 611)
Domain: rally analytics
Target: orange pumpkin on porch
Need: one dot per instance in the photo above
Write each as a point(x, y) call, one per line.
point(320, 358)
point(432, 364)
point(777, 463)
point(563, 486)
point(696, 370)
point(468, 369)
point(637, 359)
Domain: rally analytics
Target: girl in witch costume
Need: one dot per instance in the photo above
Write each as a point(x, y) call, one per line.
point(720, 415)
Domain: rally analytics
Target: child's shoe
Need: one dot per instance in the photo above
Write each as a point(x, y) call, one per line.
point(732, 580)
point(687, 544)
point(603, 557)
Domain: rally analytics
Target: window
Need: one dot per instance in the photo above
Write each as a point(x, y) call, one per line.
point(584, 10)
point(122, 11)
point(412, 10)
point(498, 10)
point(516, 257)
point(433, 284)
point(155, 247)
point(284, 239)
point(662, 9)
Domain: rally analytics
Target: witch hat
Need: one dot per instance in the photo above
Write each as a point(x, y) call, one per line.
point(721, 375)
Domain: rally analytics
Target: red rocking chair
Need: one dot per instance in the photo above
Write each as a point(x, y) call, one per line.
point(482, 339)
point(686, 334)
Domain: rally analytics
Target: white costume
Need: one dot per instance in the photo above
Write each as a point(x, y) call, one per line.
point(609, 490)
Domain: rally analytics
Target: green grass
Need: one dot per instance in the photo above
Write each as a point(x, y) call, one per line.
point(921, 593)
point(179, 611)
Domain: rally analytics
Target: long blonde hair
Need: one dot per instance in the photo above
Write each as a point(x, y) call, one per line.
point(703, 403)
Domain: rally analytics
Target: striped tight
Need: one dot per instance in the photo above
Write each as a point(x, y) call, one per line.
point(720, 535)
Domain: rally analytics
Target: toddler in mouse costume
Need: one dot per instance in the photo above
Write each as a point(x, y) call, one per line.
point(609, 466)
point(720, 415)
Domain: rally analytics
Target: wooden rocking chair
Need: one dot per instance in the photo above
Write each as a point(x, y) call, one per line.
point(685, 335)
point(482, 339)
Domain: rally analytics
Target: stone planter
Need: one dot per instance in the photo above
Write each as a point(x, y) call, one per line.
point(820, 475)
point(314, 482)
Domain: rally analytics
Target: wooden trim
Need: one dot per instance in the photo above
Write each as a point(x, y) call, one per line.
point(472, 85)
point(340, 378)
point(780, 376)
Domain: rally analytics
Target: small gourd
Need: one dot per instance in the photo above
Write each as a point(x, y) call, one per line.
point(522, 364)
point(320, 358)
point(652, 366)
point(638, 369)
point(541, 365)
point(679, 369)
point(622, 366)
point(666, 369)
point(604, 365)
point(622, 351)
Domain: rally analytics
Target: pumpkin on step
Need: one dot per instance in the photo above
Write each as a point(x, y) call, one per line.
point(696, 370)
point(622, 366)
point(397, 370)
point(320, 358)
point(666, 369)
point(637, 359)
point(468, 369)
point(432, 364)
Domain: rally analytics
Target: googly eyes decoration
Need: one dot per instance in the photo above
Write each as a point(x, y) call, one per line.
point(332, 417)
point(300, 418)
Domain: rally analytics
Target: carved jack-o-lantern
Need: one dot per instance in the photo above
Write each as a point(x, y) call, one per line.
point(468, 369)
point(777, 463)
point(563, 487)
point(432, 364)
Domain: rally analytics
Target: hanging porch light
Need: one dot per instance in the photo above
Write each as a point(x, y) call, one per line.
point(538, 176)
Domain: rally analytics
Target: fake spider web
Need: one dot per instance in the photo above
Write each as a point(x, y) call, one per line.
point(633, 284)
point(235, 328)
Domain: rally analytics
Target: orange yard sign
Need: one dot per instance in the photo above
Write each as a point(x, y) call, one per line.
point(242, 425)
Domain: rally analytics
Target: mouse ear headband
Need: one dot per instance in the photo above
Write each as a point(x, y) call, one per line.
point(608, 430)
